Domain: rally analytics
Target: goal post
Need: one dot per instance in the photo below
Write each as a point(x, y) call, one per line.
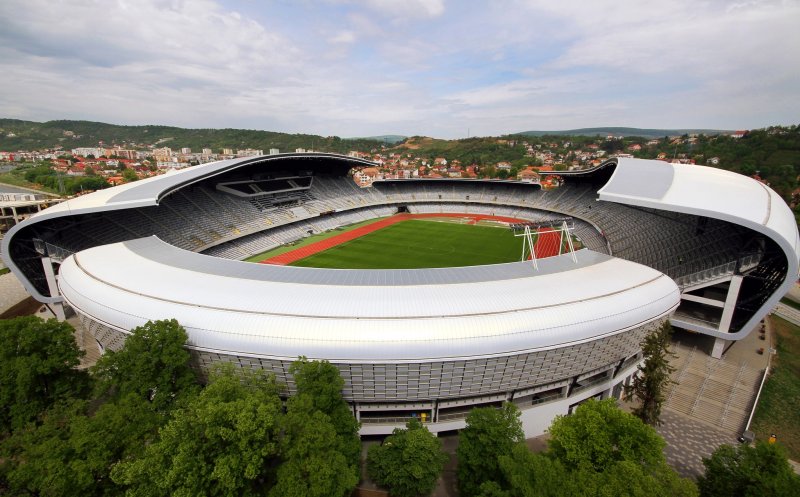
point(564, 238)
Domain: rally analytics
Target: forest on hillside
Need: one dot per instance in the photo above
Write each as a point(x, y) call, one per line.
point(29, 135)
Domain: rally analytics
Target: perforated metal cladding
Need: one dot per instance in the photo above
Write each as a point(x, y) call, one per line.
point(109, 338)
point(439, 379)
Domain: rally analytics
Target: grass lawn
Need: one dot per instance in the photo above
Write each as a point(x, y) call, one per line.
point(307, 241)
point(15, 178)
point(779, 406)
point(421, 244)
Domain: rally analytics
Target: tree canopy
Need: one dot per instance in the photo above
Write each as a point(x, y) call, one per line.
point(322, 383)
point(747, 471)
point(490, 434)
point(612, 452)
point(223, 443)
point(598, 451)
point(408, 462)
point(525, 474)
point(598, 434)
point(153, 364)
point(650, 384)
point(37, 369)
point(313, 463)
point(151, 430)
point(71, 452)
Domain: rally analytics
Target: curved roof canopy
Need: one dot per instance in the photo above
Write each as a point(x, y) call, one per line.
point(354, 315)
point(696, 190)
point(714, 193)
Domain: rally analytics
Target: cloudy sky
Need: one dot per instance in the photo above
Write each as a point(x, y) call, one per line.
point(441, 68)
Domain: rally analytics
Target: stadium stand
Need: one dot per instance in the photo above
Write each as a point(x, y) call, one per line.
point(689, 248)
point(725, 268)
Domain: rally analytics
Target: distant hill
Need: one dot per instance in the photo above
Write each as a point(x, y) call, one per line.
point(28, 135)
point(621, 131)
point(389, 139)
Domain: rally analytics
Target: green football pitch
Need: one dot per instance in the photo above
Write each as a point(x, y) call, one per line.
point(421, 244)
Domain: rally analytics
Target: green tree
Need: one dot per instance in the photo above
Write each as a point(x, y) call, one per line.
point(408, 462)
point(598, 434)
point(38, 362)
point(321, 381)
point(650, 384)
point(525, 474)
point(746, 471)
point(71, 453)
point(588, 467)
point(490, 434)
point(613, 452)
point(313, 464)
point(626, 478)
point(152, 364)
point(224, 443)
point(129, 175)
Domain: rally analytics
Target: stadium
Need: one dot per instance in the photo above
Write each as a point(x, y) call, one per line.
point(708, 249)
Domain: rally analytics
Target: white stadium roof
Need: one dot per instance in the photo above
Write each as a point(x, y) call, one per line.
point(704, 191)
point(408, 315)
point(715, 193)
point(427, 313)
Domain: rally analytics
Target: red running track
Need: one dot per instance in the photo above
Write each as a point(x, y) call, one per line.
point(548, 243)
point(322, 245)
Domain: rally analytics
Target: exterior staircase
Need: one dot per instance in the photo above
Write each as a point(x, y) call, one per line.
point(714, 391)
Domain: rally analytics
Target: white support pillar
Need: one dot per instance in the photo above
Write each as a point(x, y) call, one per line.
point(727, 315)
point(14, 213)
point(719, 348)
point(730, 303)
point(50, 275)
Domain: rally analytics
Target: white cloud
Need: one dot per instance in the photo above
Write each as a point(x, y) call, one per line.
point(406, 8)
point(344, 37)
point(363, 67)
point(686, 36)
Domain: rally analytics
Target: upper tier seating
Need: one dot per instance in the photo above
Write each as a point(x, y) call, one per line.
point(202, 219)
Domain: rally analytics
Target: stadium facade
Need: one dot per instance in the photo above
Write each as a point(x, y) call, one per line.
point(710, 250)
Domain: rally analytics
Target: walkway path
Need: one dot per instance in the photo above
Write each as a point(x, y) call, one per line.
point(689, 441)
point(11, 292)
point(788, 313)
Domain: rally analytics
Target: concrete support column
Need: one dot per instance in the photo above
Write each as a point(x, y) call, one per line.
point(719, 348)
point(50, 275)
point(14, 213)
point(730, 303)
